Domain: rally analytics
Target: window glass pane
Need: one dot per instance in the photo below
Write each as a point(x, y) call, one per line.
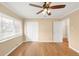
point(9, 27)
point(18, 27)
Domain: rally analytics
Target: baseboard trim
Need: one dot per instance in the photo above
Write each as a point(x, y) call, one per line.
point(40, 42)
point(13, 49)
point(44, 41)
point(74, 49)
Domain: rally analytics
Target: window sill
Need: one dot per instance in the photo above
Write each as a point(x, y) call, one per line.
point(9, 38)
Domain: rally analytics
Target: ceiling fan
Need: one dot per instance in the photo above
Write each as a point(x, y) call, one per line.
point(46, 7)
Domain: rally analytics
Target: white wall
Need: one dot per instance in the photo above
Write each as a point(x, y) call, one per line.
point(74, 31)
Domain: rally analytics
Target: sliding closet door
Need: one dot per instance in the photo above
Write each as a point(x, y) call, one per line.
point(31, 31)
point(58, 31)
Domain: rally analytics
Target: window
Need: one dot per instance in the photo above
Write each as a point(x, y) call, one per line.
point(9, 27)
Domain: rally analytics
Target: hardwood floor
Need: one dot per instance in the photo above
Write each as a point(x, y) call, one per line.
point(43, 49)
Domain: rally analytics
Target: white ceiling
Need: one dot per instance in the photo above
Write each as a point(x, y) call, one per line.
point(25, 10)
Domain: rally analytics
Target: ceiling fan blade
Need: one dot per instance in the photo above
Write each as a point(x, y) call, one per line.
point(35, 5)
point(44, 4)
point(39, 12)
point(57, 6)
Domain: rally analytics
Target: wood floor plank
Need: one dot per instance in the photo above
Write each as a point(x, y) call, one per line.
point(43, 49)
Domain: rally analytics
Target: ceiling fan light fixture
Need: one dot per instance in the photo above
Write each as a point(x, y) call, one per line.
point(44, 11)
point(48, 10)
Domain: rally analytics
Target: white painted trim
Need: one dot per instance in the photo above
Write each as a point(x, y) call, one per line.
point(73, 48)
point(43, 41)
point(57, 41)
point(9, 38)
point(13, 49)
